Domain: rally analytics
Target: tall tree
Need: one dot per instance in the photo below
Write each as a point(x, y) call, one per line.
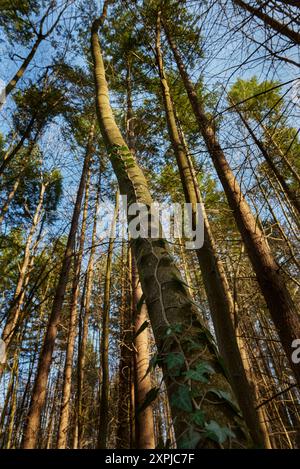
point(144, 415)
point(39, 390)
point(104, 364)
point(66, 396)
point(162, 283)
point(217, 287)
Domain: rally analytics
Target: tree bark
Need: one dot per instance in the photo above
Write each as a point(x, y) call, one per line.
point(125, 366)
point(8, 157)
point(13, 82)
point(282, 154)
point(9, 198)
point(40, 37)
point(144, 418)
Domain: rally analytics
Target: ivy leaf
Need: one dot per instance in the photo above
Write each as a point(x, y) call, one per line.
point(227, 397)
point(217, 433)
point(173, 329)
point(142, 328)
point(189, 440)
point(176, 328)
point(174, 360)
point(150, 397)
point(199, 418)
point(192, 345)
point(182, 399)
point(201, 372)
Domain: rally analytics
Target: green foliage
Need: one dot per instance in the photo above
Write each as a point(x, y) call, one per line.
point(281, 139)
point(217, 433)
point(168, 181)
point(10, 256)
point(181, 399)
point(198, 417)
point(53, 194)
point(28, 167)
point(201, 373)
point(173, 329)
point(266, 108)
point(264, 99)
point(2, 143)
point(41, 103)
point(14, 18)
point(190, 439)
point(174, 362)
point(226, 397)
point(154, 361)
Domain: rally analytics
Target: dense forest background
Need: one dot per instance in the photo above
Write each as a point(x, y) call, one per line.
point(113, 342)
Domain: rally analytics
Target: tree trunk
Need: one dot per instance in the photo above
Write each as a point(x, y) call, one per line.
point(144, 418)
point(292, 3)
point(9, 395)
point(280, 28)
point(9, 198)
point(104, 366)
point(282, 154)
point(172, 313)
point(40, 37)
point(14, 312)
point(8, 157)
point(18, 178)
point(125, 321)
point(84, 323)
point(40, 385)
point(269, 277)
point(67, 381)
point(214, 277)
point(12, 411)
point(13, 82)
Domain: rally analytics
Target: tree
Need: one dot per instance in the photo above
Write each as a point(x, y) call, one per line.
point(216, 284)
point(104, 396)
point(134, 342)
point(133, 184)
point(39, 391)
